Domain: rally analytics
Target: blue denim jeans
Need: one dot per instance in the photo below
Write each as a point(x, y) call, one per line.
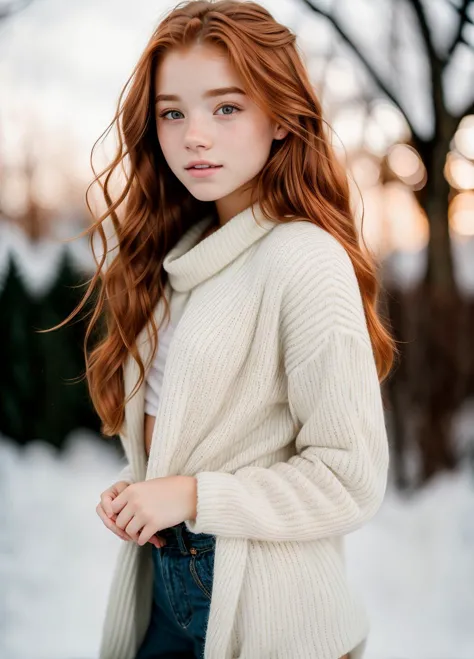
point(183, 573)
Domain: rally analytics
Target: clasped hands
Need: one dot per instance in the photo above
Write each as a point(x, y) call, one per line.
point(138, 511)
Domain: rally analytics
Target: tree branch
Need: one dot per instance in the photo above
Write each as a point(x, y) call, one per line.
point(13, 8)
point(458, 37)
point(424, 28)
point(381, 84)
point(435, 66)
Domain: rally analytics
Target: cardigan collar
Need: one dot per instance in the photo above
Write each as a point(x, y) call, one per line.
point(188, 264)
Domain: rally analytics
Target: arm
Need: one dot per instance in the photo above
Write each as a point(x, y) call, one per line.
point(336, 480)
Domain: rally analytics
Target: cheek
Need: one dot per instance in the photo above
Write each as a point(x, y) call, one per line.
point(258, 147)
point(255, 136)
point(165, 139)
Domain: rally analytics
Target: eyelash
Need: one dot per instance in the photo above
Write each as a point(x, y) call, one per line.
point(224, 105)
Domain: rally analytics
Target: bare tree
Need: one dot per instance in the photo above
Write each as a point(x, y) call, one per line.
point(433, 323)
point(7, 9)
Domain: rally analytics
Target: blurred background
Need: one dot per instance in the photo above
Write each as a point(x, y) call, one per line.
point(396, 79)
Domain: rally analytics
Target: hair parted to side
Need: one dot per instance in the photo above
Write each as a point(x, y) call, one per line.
point(302, 178)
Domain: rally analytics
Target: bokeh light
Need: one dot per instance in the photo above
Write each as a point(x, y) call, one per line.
point(407, 222)
point(459, 172)
point(461, 214)
point(464, 138)
point(405, 162)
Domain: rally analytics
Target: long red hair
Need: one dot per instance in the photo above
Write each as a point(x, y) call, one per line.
point(302, 178)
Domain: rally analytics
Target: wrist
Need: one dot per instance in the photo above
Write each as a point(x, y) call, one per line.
point(191, 498)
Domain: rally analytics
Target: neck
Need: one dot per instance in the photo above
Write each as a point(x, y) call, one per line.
point(229, 207)
point(193, 260)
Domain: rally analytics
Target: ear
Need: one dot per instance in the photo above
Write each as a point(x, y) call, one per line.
point(279, 133)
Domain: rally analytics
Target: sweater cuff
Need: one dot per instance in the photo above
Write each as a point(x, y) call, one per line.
point(214, 494)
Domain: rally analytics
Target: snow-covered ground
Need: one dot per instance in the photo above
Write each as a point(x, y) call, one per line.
point(413, 563)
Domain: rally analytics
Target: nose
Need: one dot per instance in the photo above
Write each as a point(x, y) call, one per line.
point(197, 135)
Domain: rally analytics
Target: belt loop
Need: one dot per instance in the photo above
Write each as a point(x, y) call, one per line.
point(181, 542)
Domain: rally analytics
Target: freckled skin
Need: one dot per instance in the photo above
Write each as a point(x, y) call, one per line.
point(228, 130)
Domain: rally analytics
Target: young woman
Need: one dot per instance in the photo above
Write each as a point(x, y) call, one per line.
point(242, 354)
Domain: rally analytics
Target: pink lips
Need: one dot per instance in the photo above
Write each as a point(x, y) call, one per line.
point(202, 173)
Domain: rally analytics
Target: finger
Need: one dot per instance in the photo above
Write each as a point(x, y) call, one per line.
point(124, 518)
point(106, 501)
point(118, 502)
point(110, 524)
point(157, 541)
point(145, 535)
point(133, 528)
point(110, 494)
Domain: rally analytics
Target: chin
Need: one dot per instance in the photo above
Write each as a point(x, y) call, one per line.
point(204, 197)
point(207, 195)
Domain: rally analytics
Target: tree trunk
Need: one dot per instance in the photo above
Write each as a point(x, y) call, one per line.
point(432, 324)
point(434, 200)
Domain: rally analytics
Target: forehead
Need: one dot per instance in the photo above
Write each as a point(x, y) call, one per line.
point(194, 69)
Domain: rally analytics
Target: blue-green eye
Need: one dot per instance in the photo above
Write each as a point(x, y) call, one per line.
point(163, 114)
point(229, 105)
point(225, 105)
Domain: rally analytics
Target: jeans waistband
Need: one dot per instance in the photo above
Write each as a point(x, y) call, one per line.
point(179, 536)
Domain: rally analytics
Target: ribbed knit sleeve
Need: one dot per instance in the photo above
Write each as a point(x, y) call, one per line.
point(336, 481)
point(125, 474)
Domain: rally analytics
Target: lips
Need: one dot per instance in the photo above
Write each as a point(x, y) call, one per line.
point(203, 172)
point(206, 167)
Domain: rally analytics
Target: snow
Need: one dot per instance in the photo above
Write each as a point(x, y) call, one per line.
point(38, 262)
point(412, 564)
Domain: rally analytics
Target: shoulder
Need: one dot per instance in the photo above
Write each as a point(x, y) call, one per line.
point(319, 288)
point(300, 250)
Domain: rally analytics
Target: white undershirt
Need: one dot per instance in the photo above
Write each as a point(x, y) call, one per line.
point(155, 374)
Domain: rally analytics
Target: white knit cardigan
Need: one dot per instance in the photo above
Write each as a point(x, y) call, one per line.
point(271, 399)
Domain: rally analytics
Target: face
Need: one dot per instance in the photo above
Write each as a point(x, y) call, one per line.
point(199, 122)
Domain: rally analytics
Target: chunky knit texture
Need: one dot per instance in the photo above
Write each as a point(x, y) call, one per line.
point(271, 399)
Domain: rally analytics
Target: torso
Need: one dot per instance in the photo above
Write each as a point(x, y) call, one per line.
point(148, 431)
point(149, 419)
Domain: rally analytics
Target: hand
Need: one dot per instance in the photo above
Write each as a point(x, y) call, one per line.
point(108, 517)
point(149, 506)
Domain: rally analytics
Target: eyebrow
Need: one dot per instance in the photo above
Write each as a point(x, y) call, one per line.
point(221, 91)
